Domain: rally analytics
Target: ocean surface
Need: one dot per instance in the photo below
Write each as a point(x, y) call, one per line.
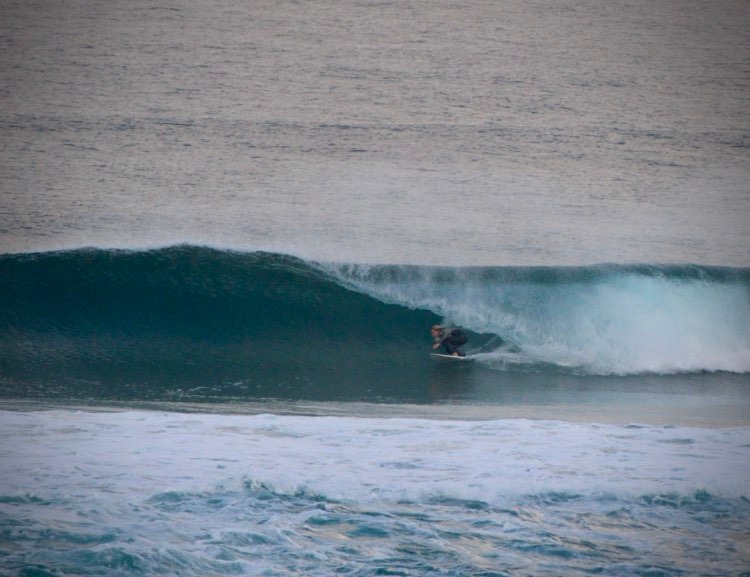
point(227, 227)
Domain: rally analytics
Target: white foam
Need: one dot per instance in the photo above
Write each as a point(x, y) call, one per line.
point(135, 455)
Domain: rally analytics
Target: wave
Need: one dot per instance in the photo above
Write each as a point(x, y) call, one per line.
point(186, 318)
point(197, 322)
point(604, 319)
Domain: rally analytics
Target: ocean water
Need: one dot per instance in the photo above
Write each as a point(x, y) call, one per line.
point(168, 493)
point(489, 133)
point(226, 228)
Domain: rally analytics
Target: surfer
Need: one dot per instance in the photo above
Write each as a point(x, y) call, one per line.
point(449, 338)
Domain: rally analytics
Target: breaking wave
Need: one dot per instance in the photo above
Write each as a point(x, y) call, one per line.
point(269, 323)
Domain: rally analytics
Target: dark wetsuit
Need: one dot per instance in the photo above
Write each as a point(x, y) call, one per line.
point(451, 339)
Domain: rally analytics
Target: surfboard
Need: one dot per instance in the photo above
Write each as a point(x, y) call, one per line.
point(442, 357)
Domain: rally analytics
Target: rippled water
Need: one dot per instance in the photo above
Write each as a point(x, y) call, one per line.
point(481, 133)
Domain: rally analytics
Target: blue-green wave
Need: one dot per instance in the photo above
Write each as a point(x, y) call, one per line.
point(139, 325)
point(186, 320)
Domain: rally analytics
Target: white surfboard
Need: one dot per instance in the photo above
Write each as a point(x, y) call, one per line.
point(442, 357)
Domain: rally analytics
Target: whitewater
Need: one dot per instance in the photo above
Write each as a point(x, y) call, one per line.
point(165, 493)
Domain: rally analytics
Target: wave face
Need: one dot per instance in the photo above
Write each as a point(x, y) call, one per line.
point(139, 324)
point(185, 320)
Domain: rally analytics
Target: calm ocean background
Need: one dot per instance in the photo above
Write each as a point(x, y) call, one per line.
point(226, 227)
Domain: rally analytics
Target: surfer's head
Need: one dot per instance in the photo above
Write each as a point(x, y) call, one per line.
point(436, 330)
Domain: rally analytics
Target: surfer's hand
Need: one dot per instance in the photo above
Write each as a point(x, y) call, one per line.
point(436, 345)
